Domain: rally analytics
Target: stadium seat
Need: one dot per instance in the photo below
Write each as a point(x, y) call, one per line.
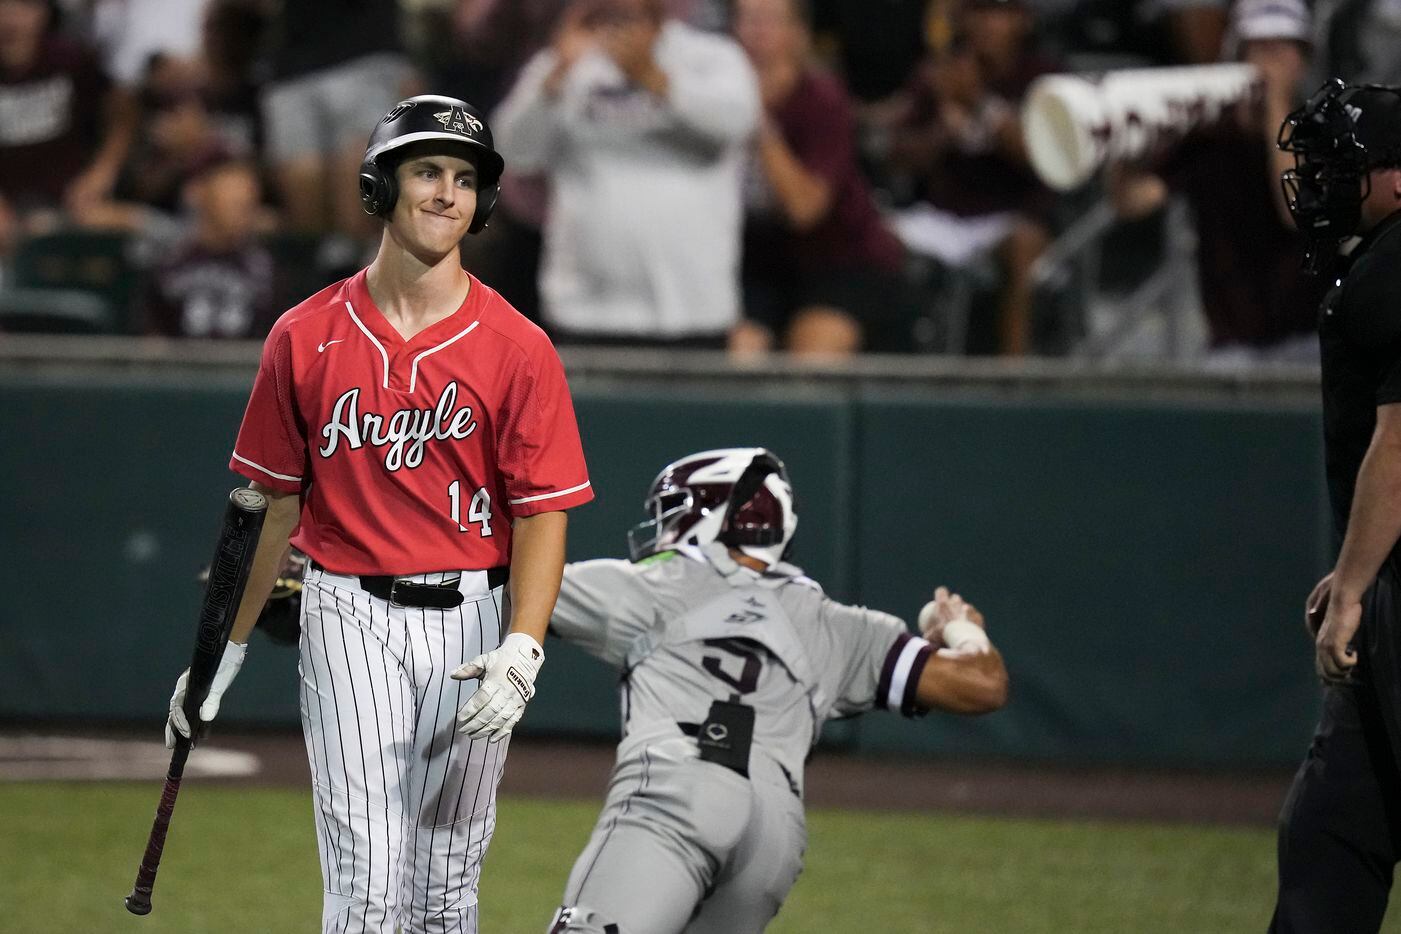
point(70, 281)
point(55, 311)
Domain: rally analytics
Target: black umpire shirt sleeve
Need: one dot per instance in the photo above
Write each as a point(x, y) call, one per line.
point(1373, 324)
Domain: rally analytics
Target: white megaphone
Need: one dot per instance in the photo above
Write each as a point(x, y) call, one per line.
point(1073, 124)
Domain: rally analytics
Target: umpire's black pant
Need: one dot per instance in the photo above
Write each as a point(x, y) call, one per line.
point(1340, 831)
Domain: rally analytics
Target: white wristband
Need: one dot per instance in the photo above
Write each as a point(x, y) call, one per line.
point(964, 636)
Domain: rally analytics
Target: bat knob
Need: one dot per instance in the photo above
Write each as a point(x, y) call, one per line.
point(137, 904)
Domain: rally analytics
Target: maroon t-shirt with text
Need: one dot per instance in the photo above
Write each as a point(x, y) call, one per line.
point(50, 122)
point(199, 292)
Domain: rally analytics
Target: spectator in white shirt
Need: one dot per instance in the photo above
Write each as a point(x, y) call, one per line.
point(641, 123)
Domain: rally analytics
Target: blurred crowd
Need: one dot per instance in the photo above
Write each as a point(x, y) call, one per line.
point(820, 177)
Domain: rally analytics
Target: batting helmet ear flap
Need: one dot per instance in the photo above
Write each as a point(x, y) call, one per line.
point(377, 190)
point(486, 201)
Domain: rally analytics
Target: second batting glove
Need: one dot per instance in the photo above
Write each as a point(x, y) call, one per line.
point(508, 683)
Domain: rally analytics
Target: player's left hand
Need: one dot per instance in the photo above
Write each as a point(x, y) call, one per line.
point(508, 683)
point(1334, 654)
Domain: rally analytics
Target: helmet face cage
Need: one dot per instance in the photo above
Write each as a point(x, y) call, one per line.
point(667, 511)
point(716, 496)
point(1330, 178)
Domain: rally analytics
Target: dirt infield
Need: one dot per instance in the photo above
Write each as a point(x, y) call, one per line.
point(568, 769)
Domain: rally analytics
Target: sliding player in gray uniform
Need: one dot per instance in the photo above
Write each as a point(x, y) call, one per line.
point(732, 661)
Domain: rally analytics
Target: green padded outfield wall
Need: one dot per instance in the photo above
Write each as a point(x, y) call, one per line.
point(1141, 568)
point(1141, 565)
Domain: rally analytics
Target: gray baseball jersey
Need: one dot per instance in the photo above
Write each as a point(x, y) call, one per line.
point(684, 844)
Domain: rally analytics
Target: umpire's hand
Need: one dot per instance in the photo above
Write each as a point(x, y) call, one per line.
point(508, 683)
point(1334, 654)
point(1317, 605)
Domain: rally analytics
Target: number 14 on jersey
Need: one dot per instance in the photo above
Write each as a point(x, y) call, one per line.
point(478, 510)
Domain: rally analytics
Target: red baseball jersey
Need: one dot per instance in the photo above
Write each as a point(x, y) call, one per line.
point(411, 456)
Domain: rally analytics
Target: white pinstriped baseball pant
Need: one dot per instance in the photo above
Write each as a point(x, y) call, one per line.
point(404, 806)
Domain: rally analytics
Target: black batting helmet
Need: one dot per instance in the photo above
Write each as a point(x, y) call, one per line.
point(423, 118)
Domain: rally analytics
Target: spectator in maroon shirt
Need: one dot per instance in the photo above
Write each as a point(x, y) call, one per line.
point(821, 271)
point(60, 142)
point(961, 144)
point(217, 283)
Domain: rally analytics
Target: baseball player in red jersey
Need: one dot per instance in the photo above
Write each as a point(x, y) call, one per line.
point(416, 439)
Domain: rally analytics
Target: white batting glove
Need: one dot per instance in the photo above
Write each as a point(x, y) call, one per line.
point(508, 683)
point(958, 626)
point(229, 665)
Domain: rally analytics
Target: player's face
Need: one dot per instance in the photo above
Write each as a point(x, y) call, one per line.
point(437, 197)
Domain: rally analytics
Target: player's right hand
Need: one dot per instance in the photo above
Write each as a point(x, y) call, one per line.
point(508, 683)
point(229, 665)
point(948, 621)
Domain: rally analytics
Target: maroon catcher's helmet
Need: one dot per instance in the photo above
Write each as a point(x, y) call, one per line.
point(737, 496)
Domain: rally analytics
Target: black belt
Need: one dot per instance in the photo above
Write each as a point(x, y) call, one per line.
point(400, 592)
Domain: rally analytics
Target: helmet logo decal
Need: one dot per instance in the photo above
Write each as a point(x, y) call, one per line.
point(459, 121)
point(398, 111)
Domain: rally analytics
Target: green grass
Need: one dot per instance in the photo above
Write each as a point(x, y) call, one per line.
point(245, 861)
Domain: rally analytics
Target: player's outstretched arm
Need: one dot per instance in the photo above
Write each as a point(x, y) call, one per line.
point(968, 683)
point(966, 675)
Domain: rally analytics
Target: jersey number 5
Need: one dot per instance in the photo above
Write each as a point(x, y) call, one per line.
point(479, 510)
point(748, 678)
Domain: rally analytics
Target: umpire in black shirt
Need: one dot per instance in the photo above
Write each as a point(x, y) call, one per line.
point(1340, 831)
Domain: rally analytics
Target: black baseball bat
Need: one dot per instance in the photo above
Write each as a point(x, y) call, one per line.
point(228, 575)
